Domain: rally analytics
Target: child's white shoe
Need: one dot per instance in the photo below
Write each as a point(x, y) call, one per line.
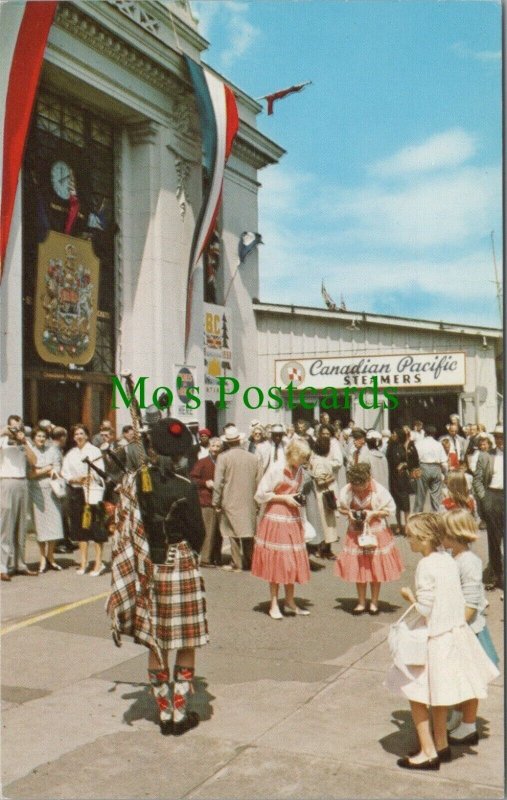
point(454, 720)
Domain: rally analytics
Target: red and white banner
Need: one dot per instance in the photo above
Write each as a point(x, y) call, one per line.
point(24, 29)
point(219, 119)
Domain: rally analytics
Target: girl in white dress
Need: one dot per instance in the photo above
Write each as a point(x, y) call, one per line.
point(460, 531)
point(457, 667)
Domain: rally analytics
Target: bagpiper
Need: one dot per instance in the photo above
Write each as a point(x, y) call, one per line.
point(158, 594)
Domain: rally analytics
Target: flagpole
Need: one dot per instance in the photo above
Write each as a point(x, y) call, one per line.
point(231, 282)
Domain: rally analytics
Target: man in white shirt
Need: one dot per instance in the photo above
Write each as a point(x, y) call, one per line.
point(433, 463)
point(488, 485)
point(417, 432)
point(15, 455)
point(359, 452)
point(277, 443)
point(457, 441)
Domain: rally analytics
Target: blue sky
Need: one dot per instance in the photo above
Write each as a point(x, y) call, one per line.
point(391, 183)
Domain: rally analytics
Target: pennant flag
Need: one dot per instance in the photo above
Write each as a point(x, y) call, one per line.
point(219, 119)
point(74, 206)
point(97, 219)
point(248, 242)
point(24, 28)
point(327, 299)
point(271, 98)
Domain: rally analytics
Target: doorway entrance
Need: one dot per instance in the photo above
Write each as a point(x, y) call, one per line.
point(432, 409)
point(65, 401)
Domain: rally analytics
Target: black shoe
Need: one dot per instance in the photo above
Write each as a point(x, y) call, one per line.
point(431, 763)
point(472, 738)
point(444, 755)
point(166, 727)
point(190, 721)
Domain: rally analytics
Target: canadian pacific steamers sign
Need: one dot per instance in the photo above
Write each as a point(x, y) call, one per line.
point(402, 370)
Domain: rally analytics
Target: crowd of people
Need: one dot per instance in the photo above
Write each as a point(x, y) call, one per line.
point(283, 498)
point(45, 470)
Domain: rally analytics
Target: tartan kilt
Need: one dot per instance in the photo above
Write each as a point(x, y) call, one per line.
point(179, 601)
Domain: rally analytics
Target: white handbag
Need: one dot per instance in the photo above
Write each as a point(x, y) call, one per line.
point(408, 641)
point(367, 540)
point(58, 487)
point(309, 531)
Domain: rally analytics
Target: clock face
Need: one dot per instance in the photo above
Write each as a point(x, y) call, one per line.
point(62, 179)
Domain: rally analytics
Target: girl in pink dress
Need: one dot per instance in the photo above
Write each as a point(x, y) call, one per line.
point(367, 504)
point(280, 552)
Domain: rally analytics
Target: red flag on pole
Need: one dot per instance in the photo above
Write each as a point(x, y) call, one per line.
point(282, 93)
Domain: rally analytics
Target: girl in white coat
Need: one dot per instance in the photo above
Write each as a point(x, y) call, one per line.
point(457, 667)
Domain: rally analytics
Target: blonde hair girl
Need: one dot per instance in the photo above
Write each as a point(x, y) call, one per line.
point(457, 669)
point(460, 531)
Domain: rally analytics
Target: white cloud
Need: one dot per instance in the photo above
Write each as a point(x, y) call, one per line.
point(461, 49)
point(232, 17)
point(444, 210)
point(448, 149)
point(285, 191)
point(419, 250)
point(206, 13)
point(241, 32)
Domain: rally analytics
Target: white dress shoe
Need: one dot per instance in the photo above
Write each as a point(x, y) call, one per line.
point(275, 613)
point(296, 611)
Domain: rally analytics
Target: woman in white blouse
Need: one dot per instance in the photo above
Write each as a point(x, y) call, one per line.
point(280, 555)
point(84, 487)
point(457, 667)
point(47, 515)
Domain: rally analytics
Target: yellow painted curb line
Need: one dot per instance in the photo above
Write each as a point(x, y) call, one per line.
point(53, 613)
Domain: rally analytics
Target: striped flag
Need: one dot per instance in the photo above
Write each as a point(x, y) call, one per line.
point(24, 29)
point(219, 119)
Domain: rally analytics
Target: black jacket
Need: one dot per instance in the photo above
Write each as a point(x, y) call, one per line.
point(171, 513)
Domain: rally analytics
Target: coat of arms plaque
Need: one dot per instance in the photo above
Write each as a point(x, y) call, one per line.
point(66, 300)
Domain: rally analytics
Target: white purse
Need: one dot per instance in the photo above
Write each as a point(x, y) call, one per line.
point(408, 641)
point(58, 487)
point(309, 531)
point(367, 540)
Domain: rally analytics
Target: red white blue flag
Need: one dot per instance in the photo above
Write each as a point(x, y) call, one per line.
point(24, 29)
point(219, 119)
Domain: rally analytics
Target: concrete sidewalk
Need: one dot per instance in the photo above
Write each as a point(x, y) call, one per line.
point(89, 729)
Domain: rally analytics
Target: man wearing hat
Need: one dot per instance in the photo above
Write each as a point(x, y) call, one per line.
point(204, 437)
point(488, 487)
point(277, 443)
point(359, 453)
point(169, 600)
point(237, 476)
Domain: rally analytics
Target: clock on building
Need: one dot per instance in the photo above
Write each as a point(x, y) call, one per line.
point(62, 179)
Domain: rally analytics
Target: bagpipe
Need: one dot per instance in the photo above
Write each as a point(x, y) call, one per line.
point(100, 479)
